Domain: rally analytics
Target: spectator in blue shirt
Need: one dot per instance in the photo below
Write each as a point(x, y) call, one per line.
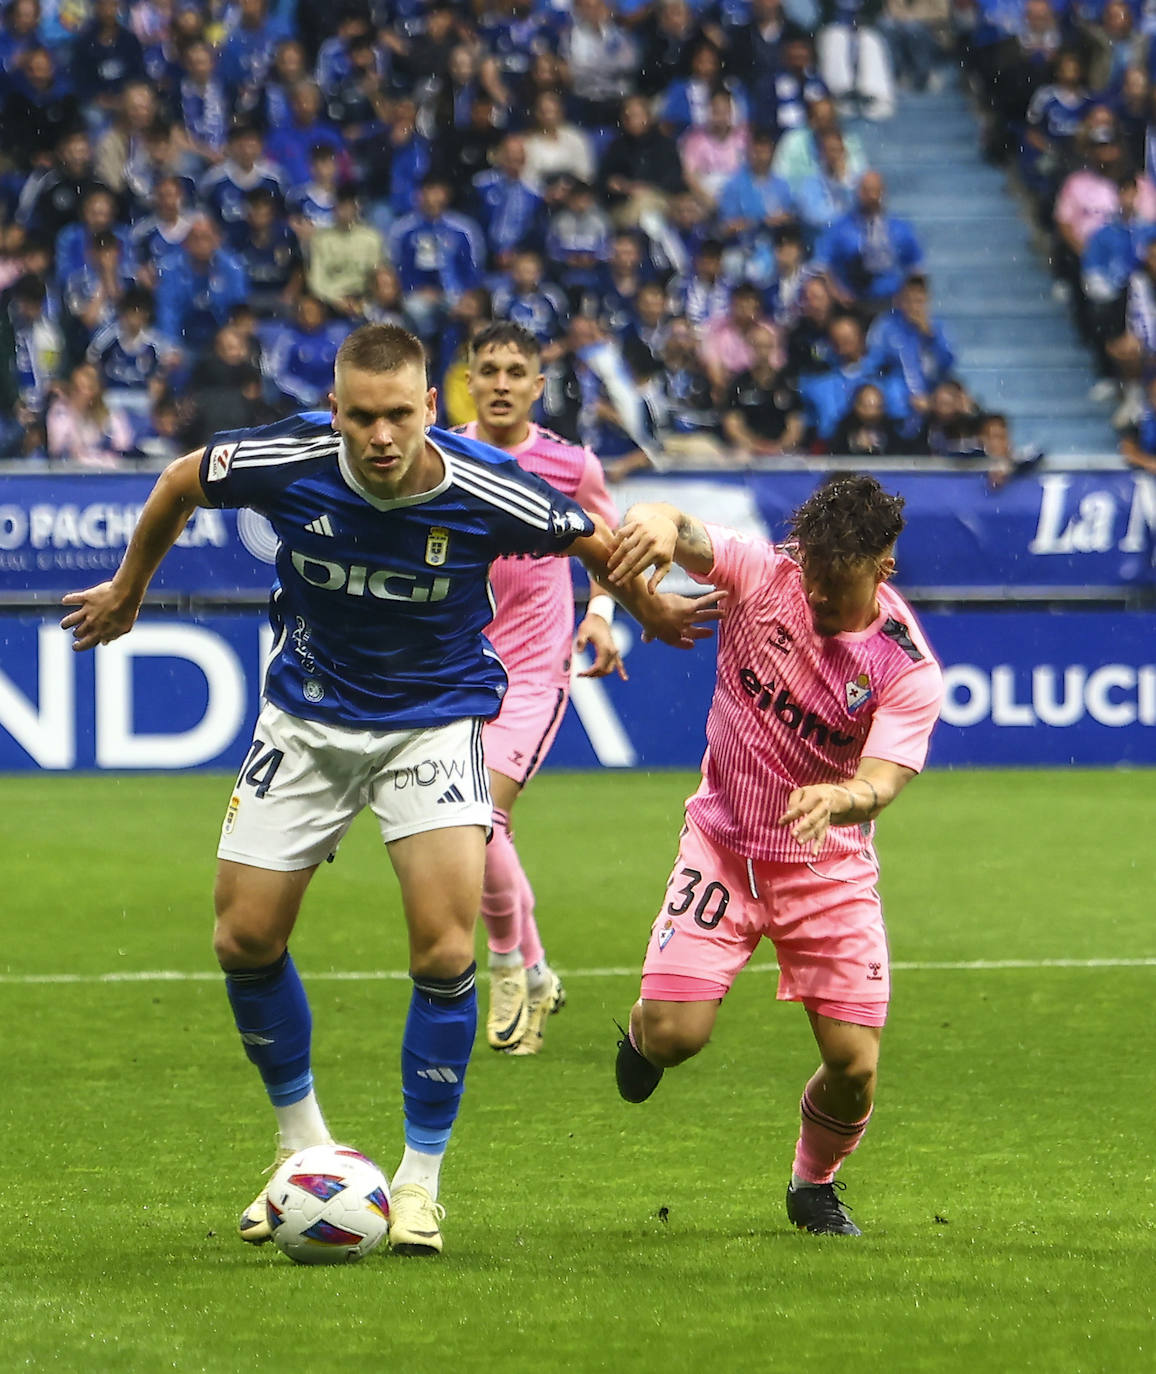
point(578, 241)
point(160, 233)
point(223, 188)
point(290, 68)
point(438, 254)
point(74, 243)
point(755, 197)
point(104, 57)
point(512, 215)
point(19, 34)
point(830, 193)
point(290, 145)
point(537, 305)
point(203, 105)
point(783, 95)
point(39, 110)
point(827, 397)
point(1054, 116)
point(196, 286)
point(909, 343)
point(334, 57)
point(686, 104)
point(303, 361)
point(617, 282)
point(268, 250)
point(312, 206)
point(128, 355)
point(247, 53)
point(869, 254)
point(705, 293)
point(1109, 258)
point(397, 165)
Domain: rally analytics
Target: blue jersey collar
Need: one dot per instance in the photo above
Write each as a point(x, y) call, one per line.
point(381, 503)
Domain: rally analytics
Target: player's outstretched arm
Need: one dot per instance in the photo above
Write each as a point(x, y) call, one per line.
point(109, 610)
point(812, 810)
point(679, 621)
point(659, 534)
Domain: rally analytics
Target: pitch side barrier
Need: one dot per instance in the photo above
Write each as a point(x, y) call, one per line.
point(1040, 599)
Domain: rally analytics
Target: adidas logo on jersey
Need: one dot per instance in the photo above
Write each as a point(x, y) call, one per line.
point(320, 526)
point(453, 795)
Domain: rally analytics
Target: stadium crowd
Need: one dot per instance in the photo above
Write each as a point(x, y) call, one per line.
point(200, 199)
point(1070, 103)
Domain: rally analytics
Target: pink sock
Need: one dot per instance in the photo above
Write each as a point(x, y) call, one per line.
point(501, 892)
point(824, 1142)
point(529, 941)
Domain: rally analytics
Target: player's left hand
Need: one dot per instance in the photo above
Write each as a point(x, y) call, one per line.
point(681, 621)
point(595, 634)
point(811, 809)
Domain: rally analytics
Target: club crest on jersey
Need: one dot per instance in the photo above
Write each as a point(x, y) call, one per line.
point(666, 934)
point(858, 691)
point(231, 814)
point(219, 460)
point(437, 546)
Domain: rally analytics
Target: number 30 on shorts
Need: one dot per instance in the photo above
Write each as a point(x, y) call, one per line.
point(714, 894)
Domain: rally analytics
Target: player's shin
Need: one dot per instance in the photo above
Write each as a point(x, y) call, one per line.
point(501, 889)
point(274, 1022)
point(435, 1051)
point(824, 1143)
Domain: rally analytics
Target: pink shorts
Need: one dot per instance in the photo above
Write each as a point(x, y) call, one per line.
point(824, 919)
point(520, 738)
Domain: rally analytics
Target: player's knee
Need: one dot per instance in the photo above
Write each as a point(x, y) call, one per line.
point(237, 947)
point(670, 1037)
point(855, 1070)
point(443, 955)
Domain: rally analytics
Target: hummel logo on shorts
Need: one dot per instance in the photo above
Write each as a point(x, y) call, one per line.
point(320, 526)
point(453, 795)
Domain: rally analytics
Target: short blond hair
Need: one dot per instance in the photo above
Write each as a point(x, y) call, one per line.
point(381, 348)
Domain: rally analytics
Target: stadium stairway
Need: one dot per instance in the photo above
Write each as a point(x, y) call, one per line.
point(1018, 350)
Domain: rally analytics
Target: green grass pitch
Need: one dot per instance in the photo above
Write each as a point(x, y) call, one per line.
point(1005, 1187)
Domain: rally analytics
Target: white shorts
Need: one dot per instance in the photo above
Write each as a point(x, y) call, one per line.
point(302, 783)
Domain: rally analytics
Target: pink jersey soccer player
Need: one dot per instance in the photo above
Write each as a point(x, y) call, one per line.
point(533, 632)
point(825, 699)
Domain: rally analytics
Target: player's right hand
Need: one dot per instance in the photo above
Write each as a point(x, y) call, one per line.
point(639, 543)
point(681, 621)
point(102, 615)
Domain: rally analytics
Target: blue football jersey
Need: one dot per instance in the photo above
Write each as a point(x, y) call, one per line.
point(380, 606)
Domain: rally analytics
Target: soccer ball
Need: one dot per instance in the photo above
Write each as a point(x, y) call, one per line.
point(328, 1204)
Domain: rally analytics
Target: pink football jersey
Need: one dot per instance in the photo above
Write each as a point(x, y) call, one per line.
point(533, 625)
point(792, 707)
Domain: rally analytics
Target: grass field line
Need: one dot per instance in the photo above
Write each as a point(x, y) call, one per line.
point(399, 975)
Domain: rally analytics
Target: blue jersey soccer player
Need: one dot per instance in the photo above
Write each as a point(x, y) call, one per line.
point(376, 694)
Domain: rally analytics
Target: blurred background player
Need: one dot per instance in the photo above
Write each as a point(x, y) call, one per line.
point(532, 631)
point(387, 529)
point(824, 702)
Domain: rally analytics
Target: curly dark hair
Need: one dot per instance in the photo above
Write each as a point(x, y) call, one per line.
point(847, 520)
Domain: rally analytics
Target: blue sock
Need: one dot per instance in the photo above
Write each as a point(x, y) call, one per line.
point(276, 1026)
point(435, 1050)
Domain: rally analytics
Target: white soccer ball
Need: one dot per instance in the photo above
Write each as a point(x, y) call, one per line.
point(328, 1204)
